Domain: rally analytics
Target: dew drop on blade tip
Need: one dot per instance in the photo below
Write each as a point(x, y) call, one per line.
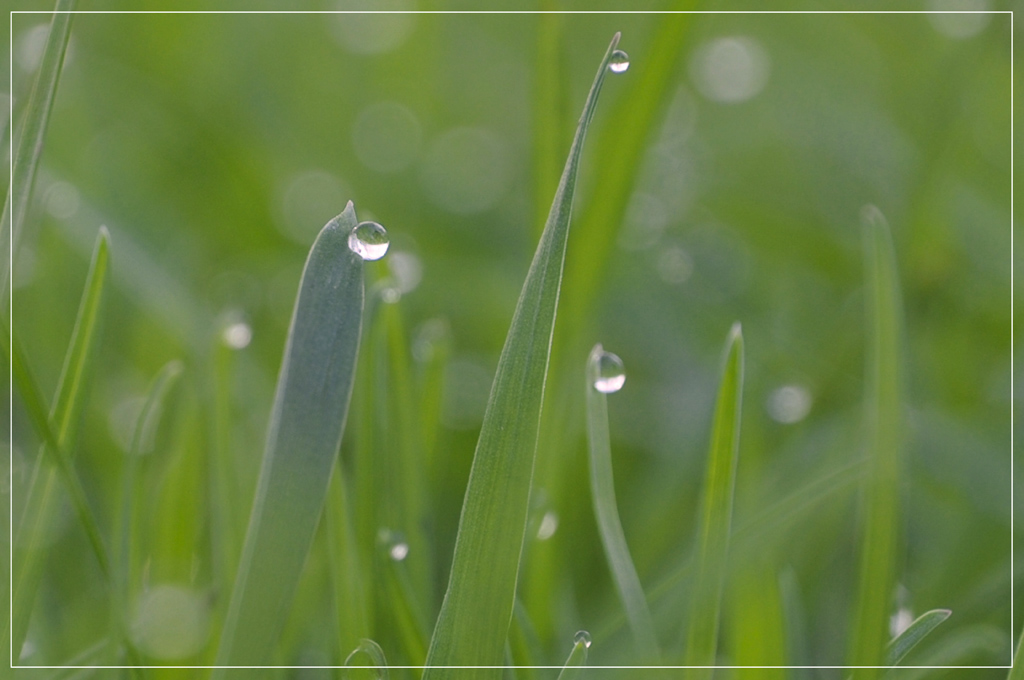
point(369, 241)
point(609, 374)
point(582, 637)
point(619, 62)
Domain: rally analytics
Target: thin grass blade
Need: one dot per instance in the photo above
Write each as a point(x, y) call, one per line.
point(549, 108)
point(716, 512)
point(884, 443)
point(473, 624)
point(70, 396)
point(1017, 671)
point(371, 649)
point(33, 131)
point(306, 423)
point(351, 619)
point(577, 657)
point(602, 491)
point(915, 632)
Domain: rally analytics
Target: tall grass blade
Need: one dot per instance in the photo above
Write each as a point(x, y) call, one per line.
point(473, 624)
point(577, 657)
point(306, 423)
point(33, 130)
point(915, 632)
point(602, 491)
point(70, 396)
point(350, 604)
point(884, 443)
point(716, 512)
point(549, 116)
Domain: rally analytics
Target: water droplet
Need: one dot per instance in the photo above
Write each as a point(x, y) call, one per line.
point(609, 373)
point(394, 543)
point(548, 526)
point(369, 241)
point(789, 404)
point(582, 636)
point(237, 335)
point(618, 63)
point(399, 551)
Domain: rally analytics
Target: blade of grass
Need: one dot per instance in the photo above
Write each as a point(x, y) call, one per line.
point(350, 604)
point(716, 512)
point(602, 491)
point(306, 423)
point(30, 141)
point(883, 431)
point(915, 632)
point(64, 410)
point(1017, 671)
point(548, 108)
point(376, 654)
point(577, 657)
point(473, 624)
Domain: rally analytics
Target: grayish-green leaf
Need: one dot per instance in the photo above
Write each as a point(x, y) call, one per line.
point(602, 491)
point(716, 512)
point(915, 632)
point(306, 424)
point(884, 443)
point(473, 624)
point(33, 131)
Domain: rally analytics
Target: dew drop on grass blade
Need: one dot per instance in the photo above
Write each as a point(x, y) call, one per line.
point(306, 424)
point(573, 668)
point(604, 375)
point(472, 627)
point(884, 442)
point(33, 130)
point(716, 513)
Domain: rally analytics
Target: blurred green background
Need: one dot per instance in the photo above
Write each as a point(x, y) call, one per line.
point(214, 147)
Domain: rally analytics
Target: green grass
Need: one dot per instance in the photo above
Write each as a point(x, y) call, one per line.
point(401, 514)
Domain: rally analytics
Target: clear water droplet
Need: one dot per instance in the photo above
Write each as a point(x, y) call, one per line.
point(619, 62)
point(582, 636)
point(548, 526)
point(399, 551)
point(609, 373)
point(369, 241)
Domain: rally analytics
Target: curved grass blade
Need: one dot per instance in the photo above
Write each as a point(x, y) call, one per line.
point(883, 428)
point(472, 627)
point(30, 141)
point(376, 654)
point(577, 657)
point(308, 416)
point(716, 512)
point(915, 632)
point(602, 491)
point(41, 498)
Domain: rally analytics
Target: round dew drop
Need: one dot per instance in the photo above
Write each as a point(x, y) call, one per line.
point(619, 62)
point(369, 241)
point(582, 636)
point(610, 373)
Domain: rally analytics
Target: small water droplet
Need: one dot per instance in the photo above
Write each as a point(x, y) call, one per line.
point(582, 636)
point(619, 62)
point(609, 373)
point(394, 543)
point(369, 241)
point(237, 335)
point(789, 404)
point(548, 526)
point(399, 551)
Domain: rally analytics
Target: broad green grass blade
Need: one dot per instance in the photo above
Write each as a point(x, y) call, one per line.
point(716, 513)
point(915, 632)
point(33, 131)
point(602, 491)
point(473, 624)
point(884, 443)
point(70, 396)
point(306, 423)
point(573, 668)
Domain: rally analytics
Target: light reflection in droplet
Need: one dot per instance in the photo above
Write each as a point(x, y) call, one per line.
point(369, 240)
point(582, 637)
point(607, 370)
point(619, 62)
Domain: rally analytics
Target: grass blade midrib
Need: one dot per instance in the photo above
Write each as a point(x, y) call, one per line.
point(473, 623)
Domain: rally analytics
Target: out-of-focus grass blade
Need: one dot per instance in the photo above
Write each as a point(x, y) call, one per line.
point(549, 118)
point(225, 517)
point(473, 624)
point(33, 131)
point(915, 632)
point(716, 512)
point(346, 573)
point(41, 499)
point(577, 657)
point(756, 623)
point(958, 647)
point(376, 654)
point(1017, 672)
point(883, 432)
point(306, 423)
point(602, 491)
